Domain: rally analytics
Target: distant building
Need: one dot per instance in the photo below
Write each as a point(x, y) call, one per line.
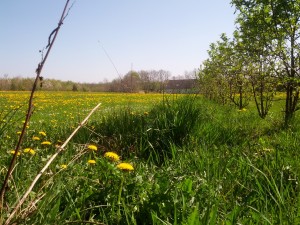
point(182, 86)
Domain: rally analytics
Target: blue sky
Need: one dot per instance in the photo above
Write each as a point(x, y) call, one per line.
point(172, 35)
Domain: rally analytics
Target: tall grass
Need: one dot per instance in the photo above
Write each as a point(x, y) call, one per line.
point(195, 162)
point(150, 134)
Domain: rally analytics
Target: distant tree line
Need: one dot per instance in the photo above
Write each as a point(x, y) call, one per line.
point(133, 81)
point(25, 84)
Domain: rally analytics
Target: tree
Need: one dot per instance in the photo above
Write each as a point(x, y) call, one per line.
point(74, 87)
point(225, 75)
point(146, 81)
point(131, 82)
point(116, 85)
point(163, 77)
point(276, 24)
point(211, 77)
point(259, 69)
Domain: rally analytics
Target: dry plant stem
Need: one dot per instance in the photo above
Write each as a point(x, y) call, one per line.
point(47, 165)
point(30, 105)
point(85, 222)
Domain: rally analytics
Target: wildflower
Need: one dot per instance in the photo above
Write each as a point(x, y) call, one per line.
point(19, 132)
point(242, 110)
point(46, 143)
point(111, 155)
point(125, 166)
point(42, 133)
point(27, 150)
point(146, 113)
point(91, 162)
point(35, 138)
point(32, 152)
point(92, 147)
point(13, 152)
point(63, 166)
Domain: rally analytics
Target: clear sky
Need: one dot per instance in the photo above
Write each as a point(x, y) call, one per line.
point(172, 35)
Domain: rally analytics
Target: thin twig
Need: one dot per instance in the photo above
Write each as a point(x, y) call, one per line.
point(30, 107)
point(61, 148)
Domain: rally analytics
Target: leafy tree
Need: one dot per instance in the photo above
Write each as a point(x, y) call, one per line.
point(260, 71)
point(212, 81)
point(74, 88)
point(224, 74)
point(131, 82)
point(275, 23)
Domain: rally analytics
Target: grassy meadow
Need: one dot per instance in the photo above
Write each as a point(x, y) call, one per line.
point(194, 161)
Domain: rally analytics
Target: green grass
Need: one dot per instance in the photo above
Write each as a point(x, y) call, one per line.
point(195, 162)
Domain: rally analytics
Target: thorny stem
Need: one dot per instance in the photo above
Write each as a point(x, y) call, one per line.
point(30, 105)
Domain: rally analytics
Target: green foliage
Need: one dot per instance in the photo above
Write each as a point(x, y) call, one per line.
point(212, 165)
point(268, 32)
point(150, 134)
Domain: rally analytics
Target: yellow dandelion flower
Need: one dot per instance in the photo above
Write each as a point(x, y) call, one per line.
point(19, 132)
point(32, 152)
point(13, 152)
point(35, 138)
point(91, 162)
point(125, 166)
point(63, 166)
point(46, 143)
point(92, 147)
point(111, 155)
point(27, 150)
point(42, 133)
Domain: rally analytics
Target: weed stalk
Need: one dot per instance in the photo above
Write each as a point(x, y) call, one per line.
point(60, 149)
point(30, 102)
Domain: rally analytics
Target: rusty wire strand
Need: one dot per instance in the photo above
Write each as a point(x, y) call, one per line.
point(30, 103)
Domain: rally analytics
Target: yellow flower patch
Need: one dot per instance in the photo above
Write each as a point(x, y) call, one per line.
point(92, 147)
point(111, 155)
point(35, 138)
point(42, 133)
point(13, 152)
point(125, 166)
point(63, 166)
point(91, 162)
point(46, 143)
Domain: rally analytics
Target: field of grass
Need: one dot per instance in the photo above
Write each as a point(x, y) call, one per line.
point(195, 162)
